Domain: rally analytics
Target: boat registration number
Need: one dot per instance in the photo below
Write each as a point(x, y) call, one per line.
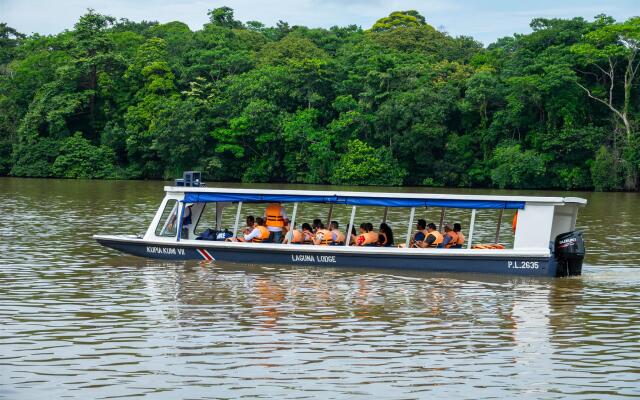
point(523, 264)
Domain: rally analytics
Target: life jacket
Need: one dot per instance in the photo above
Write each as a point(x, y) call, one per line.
point(369, 238)
point(454, 239)
point(488, 246)
point(437, 235)
point(340, 238)
point(514, 222)
point(274, 216)
point(296, 236)
point(264, 234)
point(325, 236)
point(460, 238)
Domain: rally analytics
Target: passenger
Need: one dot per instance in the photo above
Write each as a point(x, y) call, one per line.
point(316, 223)
point(294, 236)
point(251, 222)
point(433, 239)
point(421, 233)
point(186, 221)
point(307, 234)
point(276, 218)
point(367, 237)
point(457, 228)
point(450, 238)
point(338, 236)
point(259, 234)
point(323, 236)
point(385, 236)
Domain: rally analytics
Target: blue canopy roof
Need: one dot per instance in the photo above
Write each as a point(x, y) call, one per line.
point(208, 197)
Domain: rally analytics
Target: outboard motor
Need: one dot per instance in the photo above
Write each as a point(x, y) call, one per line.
point(569, 252)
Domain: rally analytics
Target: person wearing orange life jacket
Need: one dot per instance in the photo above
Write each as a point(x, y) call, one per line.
point(323, 236)
point(338, 236)
point(367, 237)
point(450, 238)
point(294, 236)
point(259, 234)
point(420, 235)
point(307, 234)
point(457, 228)
point(276, 219)
point(433, 239)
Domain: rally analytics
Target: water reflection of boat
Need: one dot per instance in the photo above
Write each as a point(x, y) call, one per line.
point(545, 243)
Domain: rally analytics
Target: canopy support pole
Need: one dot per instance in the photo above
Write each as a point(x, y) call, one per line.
point(330, 215)
point(499, 224)
point(292, 222)
point(180, 214)
point(235, 225)
point(348, 234)
point(471, 225)
point(413, 214)
point(384, 216)
point(441, 220)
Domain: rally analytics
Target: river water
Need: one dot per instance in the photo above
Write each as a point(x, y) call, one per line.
point(79, 321)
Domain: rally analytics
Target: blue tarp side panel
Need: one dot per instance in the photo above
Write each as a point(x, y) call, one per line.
point(254, 198)
point(355, 201)
point(392, 202)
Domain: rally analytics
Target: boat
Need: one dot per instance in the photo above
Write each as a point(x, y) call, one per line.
point(545, 240)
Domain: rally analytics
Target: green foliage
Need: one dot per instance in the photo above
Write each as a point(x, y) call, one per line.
point(363, 164)
point(400, 103)
point(603, 171)
point(513, 167)
point(78, 158)
point(35, 159)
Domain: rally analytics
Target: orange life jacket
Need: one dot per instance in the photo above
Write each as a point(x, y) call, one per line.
point(264, 234)
point(274, 215)
point(325, 236)
point(296, 236)
point(454, 239)
point(369, 238)
point(437, 235)
point(460, 238)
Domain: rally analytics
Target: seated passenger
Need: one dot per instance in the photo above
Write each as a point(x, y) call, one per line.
point(385, 236)
point(251, 222)
point(315, 224)
point(323, 236)
point(367, 235)
point(338, 236)
point(457, 228)
point(433, 239)
point(293, 236)
point(420, 234)
point(450, 238)
point(259, 234)
point(307, 234)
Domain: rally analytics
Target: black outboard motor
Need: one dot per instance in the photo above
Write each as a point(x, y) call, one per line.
point(569, 251)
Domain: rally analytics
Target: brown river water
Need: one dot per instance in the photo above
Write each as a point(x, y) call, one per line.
point(78, 321)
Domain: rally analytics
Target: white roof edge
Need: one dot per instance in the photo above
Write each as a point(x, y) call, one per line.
point(439, 196)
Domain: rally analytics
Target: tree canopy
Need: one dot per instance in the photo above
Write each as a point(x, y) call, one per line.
point(399, 103)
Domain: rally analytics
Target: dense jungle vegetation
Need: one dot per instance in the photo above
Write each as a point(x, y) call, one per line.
point(400, 103)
